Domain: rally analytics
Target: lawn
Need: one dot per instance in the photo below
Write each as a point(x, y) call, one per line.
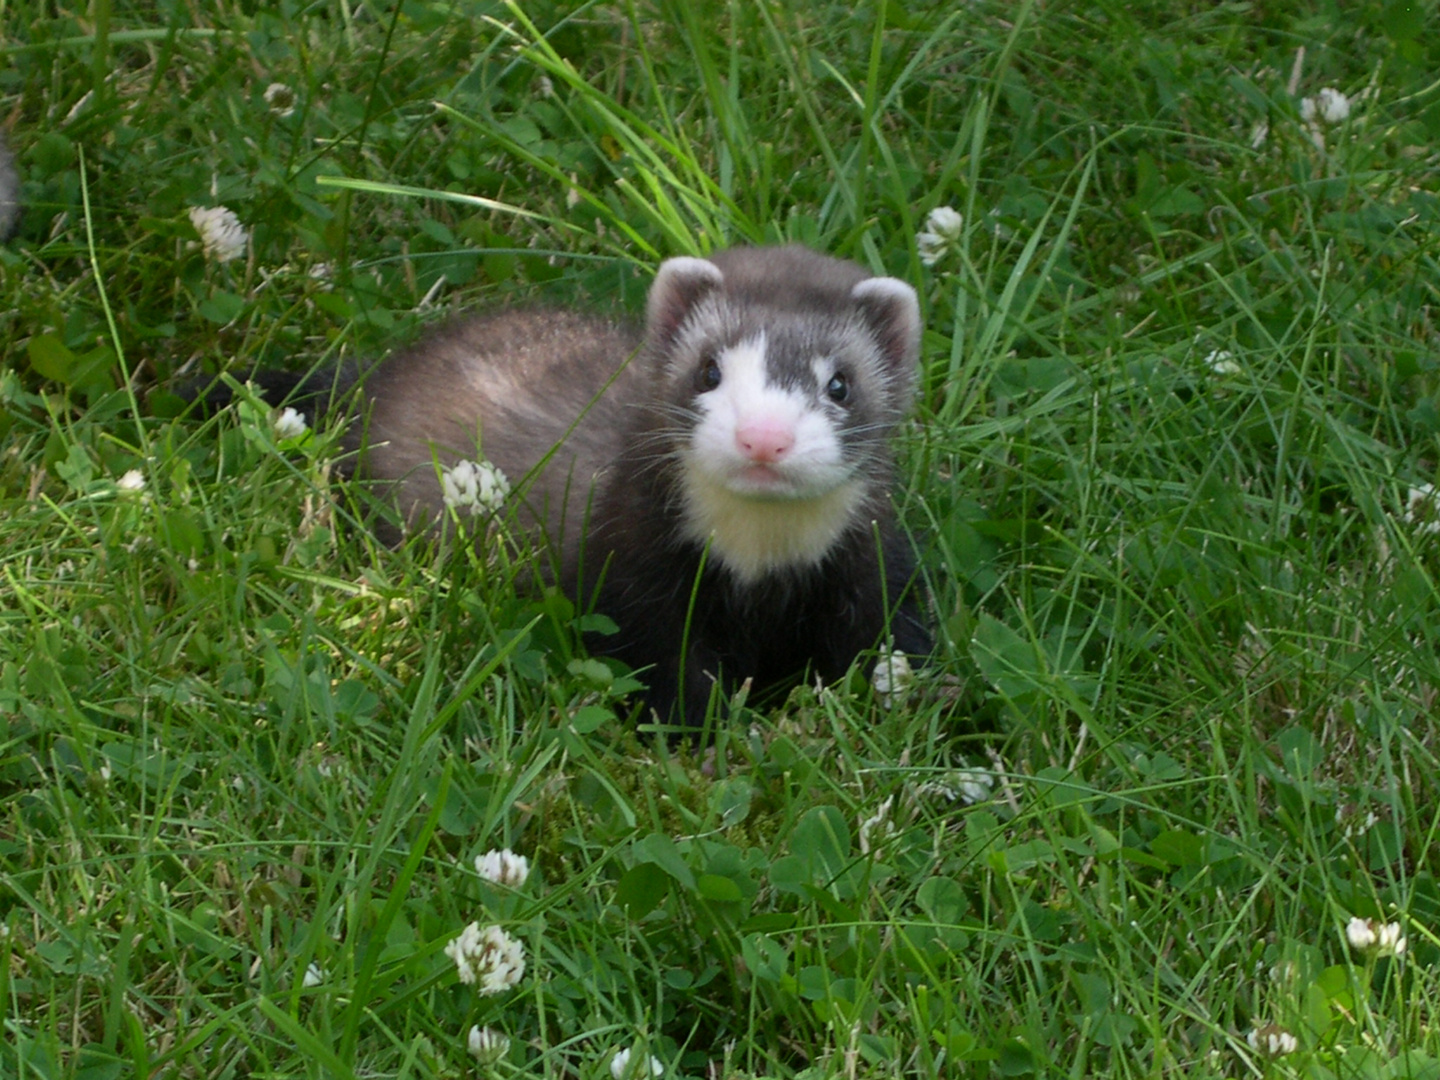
point(1165, 800)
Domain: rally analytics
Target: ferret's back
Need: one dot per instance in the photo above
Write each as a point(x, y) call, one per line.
point(509, 387)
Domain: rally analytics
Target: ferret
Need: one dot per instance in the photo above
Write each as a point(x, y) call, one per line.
point(718, 482)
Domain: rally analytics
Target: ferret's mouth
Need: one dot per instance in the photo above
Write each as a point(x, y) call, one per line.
point(761, 478)
point(766, 482)
point(762, 474)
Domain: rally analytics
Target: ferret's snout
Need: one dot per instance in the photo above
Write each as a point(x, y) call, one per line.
point(765, 440)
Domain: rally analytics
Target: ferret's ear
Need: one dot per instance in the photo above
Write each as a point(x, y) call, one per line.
point(892, 311)
point(680, 284)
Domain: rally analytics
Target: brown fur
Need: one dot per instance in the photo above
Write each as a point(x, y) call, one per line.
point(525, 389)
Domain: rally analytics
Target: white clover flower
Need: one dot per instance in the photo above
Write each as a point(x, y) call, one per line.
point(892, 677)
point(280, 99)
point(1348, 816)
point(475, 485)
point(488, 1045)
point(314, 975)
point(878, 825)
point(1360, 932)
point(1389, 940)
point(503, 867)
point(621, 1069)
point(489, 957)
point(974, 785)
point(1222, 362)
point(290, 423)
point(943, 228)
point(544, 87)
point(945, 221)
point(133, 480)
point(1373, 936)
point(221, 233)
point(1330, 105)
point(1422, 510)
point(1273, 1040)
point(1334, 106)
point(970, 786)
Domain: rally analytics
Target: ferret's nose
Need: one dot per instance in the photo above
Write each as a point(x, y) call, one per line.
point(765, 440)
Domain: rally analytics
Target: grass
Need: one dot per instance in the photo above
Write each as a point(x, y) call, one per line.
point(1181, 379)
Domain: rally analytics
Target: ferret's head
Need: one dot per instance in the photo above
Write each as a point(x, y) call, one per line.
point(780, 376)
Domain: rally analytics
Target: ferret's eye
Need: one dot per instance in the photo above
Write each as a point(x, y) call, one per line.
point(709, 374)
point(838, 389)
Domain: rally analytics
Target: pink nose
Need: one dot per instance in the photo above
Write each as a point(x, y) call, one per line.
point(765, 440)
